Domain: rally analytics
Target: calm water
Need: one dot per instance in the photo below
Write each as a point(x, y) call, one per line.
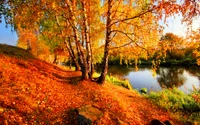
point(183, 78)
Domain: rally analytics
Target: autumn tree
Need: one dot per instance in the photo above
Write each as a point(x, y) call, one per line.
point(1, 10)
point(81, 25)
point(171, 44)
point(27, 40)
point(134, 25)
point(129, 26)
point(190, 9)
point(194, 38)
point(5, 12)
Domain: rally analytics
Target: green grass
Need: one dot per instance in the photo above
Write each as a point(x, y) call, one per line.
point(96, 75)
point(115, 80)
point(176, 101)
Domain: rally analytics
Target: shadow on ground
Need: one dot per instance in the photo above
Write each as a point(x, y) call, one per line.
point(13, 51)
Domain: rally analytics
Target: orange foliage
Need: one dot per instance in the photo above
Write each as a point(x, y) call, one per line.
point(61, 51)
point(27, 38)
point(194, 41)
point(35, 92)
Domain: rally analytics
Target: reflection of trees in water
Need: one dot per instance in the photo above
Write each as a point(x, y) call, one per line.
point(119, 70)
point(194, 71)
point(169, 77)
point(115, 70)
point(123, 70)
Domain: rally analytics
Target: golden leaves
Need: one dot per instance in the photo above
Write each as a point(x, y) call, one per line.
point(53, 5)
point(194, 42)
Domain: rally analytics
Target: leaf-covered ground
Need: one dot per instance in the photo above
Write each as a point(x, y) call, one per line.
point(35, 92)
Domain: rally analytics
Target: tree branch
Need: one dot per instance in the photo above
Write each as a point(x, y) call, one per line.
point(113, 35)
point(133, 17)
point(131, 41)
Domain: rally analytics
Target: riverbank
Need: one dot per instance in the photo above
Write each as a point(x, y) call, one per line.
point(169, 62)
point(35, 92)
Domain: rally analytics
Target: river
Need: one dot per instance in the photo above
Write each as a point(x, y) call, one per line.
point(185, 78)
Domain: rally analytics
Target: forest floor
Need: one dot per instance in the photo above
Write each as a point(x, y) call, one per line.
point(36, 92)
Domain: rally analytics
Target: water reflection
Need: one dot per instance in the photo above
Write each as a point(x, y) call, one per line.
point(194, 71)
point(167, 77)
point(117, 70)
point(170, 77)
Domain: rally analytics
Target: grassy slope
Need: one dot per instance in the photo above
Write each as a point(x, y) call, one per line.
point(35, 92)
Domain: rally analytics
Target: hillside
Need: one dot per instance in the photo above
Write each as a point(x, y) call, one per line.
point(35, 92)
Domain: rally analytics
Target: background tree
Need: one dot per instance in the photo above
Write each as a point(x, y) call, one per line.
point(194, 40)
point(136, 22)
point(133, 22)
point(28, 40)
point(172, 44)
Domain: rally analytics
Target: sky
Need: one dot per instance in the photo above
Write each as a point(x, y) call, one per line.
point(6, 35)
point(174, 26)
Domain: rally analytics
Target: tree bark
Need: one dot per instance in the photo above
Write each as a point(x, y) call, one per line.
point(72, 55)
point(92, 65)
point(87, 39)
point(69, 47)
point(102, 78)
point(55, 59)
point(81, 54)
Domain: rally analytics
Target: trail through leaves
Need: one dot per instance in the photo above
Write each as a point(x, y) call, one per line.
point(36, 92)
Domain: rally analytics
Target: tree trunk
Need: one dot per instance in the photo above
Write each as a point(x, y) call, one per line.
point(102, 78)
point(29, 45)
point(55, 59)
point(69, 47)
point(70, 63)
point(81, 54)
point(87, 39)
point(92, 65)
point(72, 55)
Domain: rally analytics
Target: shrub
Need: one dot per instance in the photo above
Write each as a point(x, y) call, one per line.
point(143, 90)
point(116, 81)
point(95, 75)
point(176, 101)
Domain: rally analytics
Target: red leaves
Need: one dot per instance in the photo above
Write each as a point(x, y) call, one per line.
point(167, 9)
point(194, 9)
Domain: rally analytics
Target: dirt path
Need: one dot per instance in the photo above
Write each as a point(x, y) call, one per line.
point(122, 106)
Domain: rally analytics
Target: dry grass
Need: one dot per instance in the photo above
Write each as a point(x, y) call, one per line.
point(35, 92)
